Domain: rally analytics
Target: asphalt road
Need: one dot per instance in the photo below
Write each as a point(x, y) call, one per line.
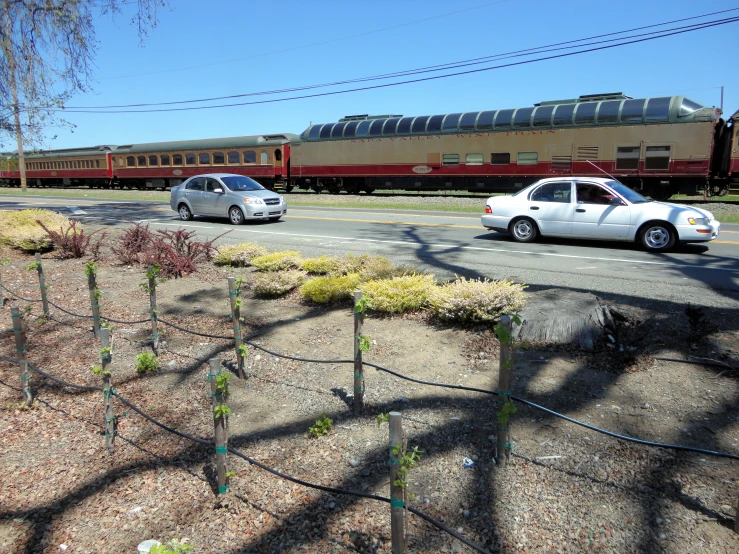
point(449, 244)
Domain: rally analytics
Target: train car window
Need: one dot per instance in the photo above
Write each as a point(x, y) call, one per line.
point(204, 158)
point(278, 155)
point(190, 159)
point(522, 118)
point(467, 122)
point(527, 158)
point(265, 157)
point(434, 124)
point(585, 114)
point(363, 128)
point(608, 112)
point(657, 157)
point(164, 159)
point(218, 158)
point(419, 124)
point(351, 129)
point(326, 130)
point(474, 159)
point(500, 158)
point(404, 126)
point(375, 129)
point(233, 157)
point(338, 130)
point(153, 161)
point(97, 164)
point(503, 119)
point(120, 161)
point(314, 132)
point(250, 157)
point(450, 159)
point(658, 109)
point(485, 120)
point(543, 116)
point(563, 114)
point(141, 161)
point(688, 107)
point(130, 162)
point(176, 159)
point(451, 123)
point(627, 157)
point(390, 126)
point(633, 111)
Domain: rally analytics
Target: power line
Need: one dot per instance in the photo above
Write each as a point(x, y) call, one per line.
point(665, 33)
point(432, 68)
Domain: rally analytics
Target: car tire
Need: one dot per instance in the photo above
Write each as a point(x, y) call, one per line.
point(523, 229)
point(185, 213)
point(236, 216)
point(657, 236)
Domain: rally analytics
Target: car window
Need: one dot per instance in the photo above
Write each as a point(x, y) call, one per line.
point(553, 192)
point(195, 184)
point(593, 194)
point(241, 183)
point(211, 185)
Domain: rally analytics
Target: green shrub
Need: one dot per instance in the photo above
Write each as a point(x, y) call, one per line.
point(368, 267)
point(399, 294)
point(277, 283)
point(21, 230)
point(238, 255)
point(277, 261)
point(330, 289)
point(322, 426)
point(146, 362)
point(320, 266)
point(172, 547)
point(477, 300)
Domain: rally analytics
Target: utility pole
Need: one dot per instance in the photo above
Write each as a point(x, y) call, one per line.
point(12, 70)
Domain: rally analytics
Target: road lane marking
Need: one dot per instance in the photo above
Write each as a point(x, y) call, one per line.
point(457, 246)
point(388, 222)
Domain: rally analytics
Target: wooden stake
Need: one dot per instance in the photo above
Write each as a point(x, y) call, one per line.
point(106, 357)
point(358, 404)
point(219, 424)
point(503, 447)
point(42, 285)
point(736, 518)
point(92, 285)
point(20, 349)
point(397, 504)
point(236, 323)
point(153, 305)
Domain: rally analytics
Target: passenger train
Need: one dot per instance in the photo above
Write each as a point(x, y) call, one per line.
point(659, 146)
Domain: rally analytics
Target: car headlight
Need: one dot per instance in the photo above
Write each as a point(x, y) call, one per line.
point(699, 220)
point(282, 198)
point(249, 200)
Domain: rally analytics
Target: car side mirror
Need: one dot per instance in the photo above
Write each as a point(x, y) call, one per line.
point(616, 201)
point(219, 191)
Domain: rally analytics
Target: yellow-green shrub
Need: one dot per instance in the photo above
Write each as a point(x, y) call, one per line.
point(277, 283)
point(369, 267)
point(330, 289)
point(20, 230)
point(476, 300)
point(277, 261)
point(399, 294)
point(238, 255)
point(320, 266)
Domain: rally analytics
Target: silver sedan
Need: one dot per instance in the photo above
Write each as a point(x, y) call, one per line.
point(226, 195)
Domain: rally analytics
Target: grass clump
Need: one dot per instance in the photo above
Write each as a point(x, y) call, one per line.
point(477, 300)
point(368, 267)
point(320, 266)
point(277, 283)
point(325, 290)
point(238, 255)
point(277, 261)
point(21, 230)
point(146, 362)
point(399, 294)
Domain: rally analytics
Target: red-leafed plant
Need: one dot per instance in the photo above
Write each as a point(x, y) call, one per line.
point(176, 253)
point(133, 243)
point(73, 242)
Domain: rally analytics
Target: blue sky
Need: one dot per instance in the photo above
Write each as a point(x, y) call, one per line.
point(221, 47)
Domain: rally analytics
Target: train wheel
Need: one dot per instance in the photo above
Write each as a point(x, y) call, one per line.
point(333, 189)
point(718, 190)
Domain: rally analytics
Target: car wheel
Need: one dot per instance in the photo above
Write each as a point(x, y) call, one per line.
point(185, 213)
point(236, 216)
point(657, 236)
point(524, 230)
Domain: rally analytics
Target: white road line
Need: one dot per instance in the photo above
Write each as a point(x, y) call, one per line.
point(475, 248)
point(76, 210)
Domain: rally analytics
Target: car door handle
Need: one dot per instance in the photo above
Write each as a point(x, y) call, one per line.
point(579, 210)
point(534, 208)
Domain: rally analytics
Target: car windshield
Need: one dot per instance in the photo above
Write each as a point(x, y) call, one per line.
point(239, 183)
point(630, 194)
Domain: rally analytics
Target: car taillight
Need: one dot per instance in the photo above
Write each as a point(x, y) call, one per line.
point(488, 210)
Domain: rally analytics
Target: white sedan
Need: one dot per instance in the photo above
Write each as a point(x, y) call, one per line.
point(596, 208)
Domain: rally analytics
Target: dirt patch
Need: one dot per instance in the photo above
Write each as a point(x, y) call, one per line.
point(569, 490)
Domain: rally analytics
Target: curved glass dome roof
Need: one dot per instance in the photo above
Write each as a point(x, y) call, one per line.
point(585, 111)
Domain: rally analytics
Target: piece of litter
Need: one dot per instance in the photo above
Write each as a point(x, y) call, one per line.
point(549, 457)
point(467, 462)
point(135, 510)
point(63, 547)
